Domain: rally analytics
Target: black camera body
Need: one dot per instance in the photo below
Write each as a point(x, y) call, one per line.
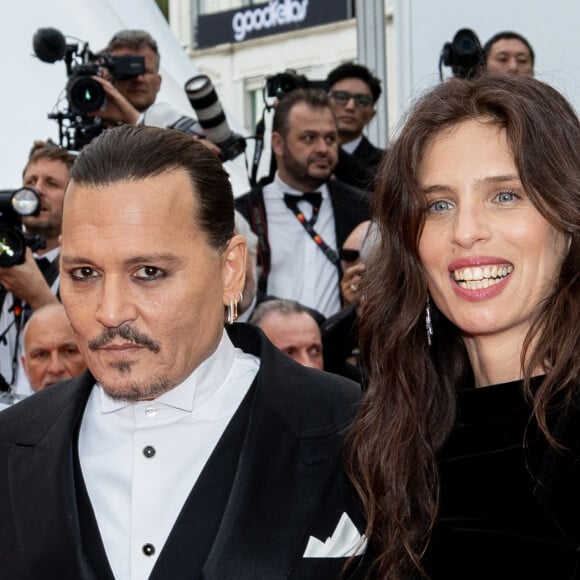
point(84, 94)
point(281, 84)
point(464, 54)
point(14, 205)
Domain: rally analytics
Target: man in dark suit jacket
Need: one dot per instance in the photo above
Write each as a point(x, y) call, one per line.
point(185, 451)
point(354, 91)
point(298, 242)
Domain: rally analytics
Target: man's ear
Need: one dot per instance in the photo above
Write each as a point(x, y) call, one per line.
point(277, 144)
point(234, 269)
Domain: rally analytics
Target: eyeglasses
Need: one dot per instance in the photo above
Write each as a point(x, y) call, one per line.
point(348, 255)
point(343, 97)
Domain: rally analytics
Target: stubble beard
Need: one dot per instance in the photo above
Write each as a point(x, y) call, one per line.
point(300, 174)
point(133, 391)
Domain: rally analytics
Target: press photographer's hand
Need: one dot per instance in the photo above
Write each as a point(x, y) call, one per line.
point(350, 283)
point(117, 108)
point(26, 282)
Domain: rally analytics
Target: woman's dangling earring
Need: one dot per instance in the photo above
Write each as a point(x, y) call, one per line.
point(428, 323)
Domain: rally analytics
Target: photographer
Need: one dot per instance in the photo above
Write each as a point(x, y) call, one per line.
point(132, 100)
point(30, 285)
point(303, 216)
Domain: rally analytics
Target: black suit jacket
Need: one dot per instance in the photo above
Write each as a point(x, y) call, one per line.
point(289, 484)
point(359, 169)
point(350, 206)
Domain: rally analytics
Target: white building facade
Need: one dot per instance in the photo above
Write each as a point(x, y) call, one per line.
point(238, 44)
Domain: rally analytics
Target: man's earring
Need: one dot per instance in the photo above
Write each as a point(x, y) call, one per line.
point(428, 323)
point(233, 308)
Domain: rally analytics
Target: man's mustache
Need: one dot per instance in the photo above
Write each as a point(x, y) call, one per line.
point(126, 333)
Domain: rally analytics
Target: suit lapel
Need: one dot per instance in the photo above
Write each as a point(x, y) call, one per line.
point(277, 494)
point(40, 468)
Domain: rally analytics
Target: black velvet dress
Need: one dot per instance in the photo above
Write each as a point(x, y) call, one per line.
point(491, 526)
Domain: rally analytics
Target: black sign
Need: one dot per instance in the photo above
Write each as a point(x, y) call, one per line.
point(273, 17)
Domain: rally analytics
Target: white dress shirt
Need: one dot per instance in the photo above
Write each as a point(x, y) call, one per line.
point(351, 146)
point(299, 268)
point(141, 460)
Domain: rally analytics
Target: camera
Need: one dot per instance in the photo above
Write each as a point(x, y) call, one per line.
point(281, 84)
point(84, 94)
point(210, 114)
point(14, 205)
point(464, 54)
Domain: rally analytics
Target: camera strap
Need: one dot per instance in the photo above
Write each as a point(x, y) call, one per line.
point(50, 272)
point(258, 149)
point(315, 198)
point(22, 311)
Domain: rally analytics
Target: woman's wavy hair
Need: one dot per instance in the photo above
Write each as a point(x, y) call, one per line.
point(410, 395)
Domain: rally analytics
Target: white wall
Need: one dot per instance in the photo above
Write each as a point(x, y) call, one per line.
point(423, 26)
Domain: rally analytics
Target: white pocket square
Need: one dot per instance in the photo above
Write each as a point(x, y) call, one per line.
point(345, 541)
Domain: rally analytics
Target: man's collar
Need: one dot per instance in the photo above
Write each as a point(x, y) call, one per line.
point(282, 187)
point(351, 146)
point(51, 255)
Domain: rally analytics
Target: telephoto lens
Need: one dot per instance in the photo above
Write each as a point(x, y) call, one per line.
point(210, 114)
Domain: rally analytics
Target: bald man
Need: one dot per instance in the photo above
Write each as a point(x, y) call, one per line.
point(50, 351)
point(292, 328)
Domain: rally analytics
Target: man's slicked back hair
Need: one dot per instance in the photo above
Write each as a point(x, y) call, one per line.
point(137, 152)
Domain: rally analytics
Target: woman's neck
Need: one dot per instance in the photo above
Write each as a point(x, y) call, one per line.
point(495, 358)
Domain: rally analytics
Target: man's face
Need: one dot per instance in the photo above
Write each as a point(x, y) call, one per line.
point(144, 291)
point(140, 91)
point(509, 56)
point(295, 334)
point(49, 177)
point(308, 155)
point(51, 353)
point(350, 117)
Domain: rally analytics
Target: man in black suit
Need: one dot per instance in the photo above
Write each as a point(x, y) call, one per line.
point(185, 451)
point(354, 91)
point(299, 235)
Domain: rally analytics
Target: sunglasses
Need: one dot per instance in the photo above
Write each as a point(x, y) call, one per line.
point(343, 97)
point(348, 255)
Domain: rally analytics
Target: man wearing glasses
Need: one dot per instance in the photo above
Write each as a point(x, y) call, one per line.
point(354, 90)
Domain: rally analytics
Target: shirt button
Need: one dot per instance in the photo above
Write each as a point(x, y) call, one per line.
point(149, 452)
point(149, 549)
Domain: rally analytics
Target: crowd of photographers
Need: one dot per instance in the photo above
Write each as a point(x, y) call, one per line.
point(318, 145)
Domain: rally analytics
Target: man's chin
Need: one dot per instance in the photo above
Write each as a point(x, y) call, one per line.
point(134, 389)
point(140, 103)
point(321, 174)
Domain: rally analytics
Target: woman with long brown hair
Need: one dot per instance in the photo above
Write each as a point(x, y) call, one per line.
point(466, 451)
